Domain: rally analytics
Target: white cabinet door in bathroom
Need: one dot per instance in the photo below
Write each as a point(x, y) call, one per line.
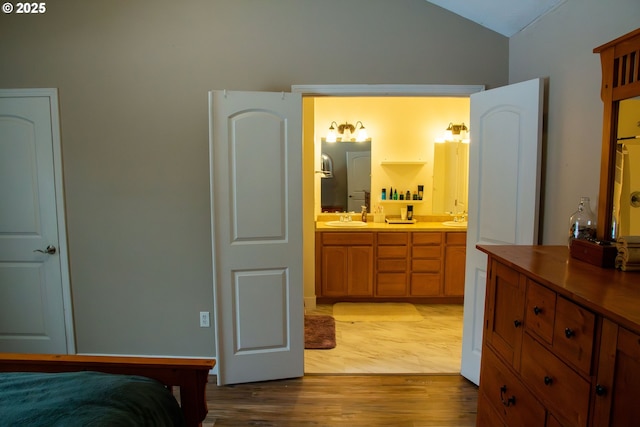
point(504, 186)
point(255, 166)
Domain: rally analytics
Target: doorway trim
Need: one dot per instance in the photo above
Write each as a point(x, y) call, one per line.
point(356, 90)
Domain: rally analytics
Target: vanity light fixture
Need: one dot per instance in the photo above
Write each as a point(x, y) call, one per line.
point(454, 133)
point(344, 132)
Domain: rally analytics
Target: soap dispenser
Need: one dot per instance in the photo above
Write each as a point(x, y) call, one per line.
point(364, 213)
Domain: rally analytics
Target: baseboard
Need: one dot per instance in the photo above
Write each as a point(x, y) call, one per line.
point(310, 303)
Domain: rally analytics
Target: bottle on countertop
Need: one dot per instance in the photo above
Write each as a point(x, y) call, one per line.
point(364, 213)
point(582, 224)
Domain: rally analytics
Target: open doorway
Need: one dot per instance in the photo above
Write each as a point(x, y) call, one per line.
point(409, 134)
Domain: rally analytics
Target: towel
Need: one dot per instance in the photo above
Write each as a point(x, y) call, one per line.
point(628, 258)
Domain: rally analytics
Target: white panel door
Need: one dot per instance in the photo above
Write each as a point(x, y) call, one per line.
point(358, 179)
point(504, 192)
point(33, 280)
point(256, 195)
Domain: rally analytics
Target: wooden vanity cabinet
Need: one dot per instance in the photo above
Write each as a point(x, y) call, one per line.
point(392, 261)
point(426, 263)
point(561, 344)
point(455, 256)
point(346, 264)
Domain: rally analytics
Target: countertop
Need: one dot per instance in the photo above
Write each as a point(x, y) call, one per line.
point(383, 226)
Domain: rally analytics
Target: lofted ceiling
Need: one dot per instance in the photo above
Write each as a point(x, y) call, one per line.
point(506, 17)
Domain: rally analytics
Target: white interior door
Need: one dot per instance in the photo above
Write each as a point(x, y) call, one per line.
point(358, 179)
point(504, 192)
point(256, 194)
point(34, 284)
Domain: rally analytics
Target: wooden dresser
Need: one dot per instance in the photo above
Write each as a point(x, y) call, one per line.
point(561, 343)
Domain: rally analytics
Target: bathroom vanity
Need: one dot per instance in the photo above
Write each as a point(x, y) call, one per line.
point(561, 343)
point(421, 263)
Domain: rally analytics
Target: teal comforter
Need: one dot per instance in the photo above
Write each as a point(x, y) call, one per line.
point(85, 399)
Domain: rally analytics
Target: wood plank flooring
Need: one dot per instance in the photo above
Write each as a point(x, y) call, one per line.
point(345, 400)
point(432, 345)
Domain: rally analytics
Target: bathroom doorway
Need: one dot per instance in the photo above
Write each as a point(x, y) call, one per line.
point(373, 341)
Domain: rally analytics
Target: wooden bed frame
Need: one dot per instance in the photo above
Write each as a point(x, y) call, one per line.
point(189, 374)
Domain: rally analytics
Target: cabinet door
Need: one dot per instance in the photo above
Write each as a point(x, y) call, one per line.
point(505, 312)
point(618, 380)
point(334, 270)
point(360, 271)
point(454, 260)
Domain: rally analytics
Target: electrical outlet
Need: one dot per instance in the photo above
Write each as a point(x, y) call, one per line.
point(204, 319)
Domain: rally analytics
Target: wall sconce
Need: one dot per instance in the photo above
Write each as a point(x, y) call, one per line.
point(345, 131)
point(455, 133)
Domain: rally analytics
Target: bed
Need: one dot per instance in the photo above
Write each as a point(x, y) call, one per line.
point(40, 389)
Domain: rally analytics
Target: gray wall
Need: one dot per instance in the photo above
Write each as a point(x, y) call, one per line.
point(560, 47)
point(133, 79)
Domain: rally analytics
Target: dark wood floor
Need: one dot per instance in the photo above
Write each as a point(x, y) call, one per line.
point(345, 400)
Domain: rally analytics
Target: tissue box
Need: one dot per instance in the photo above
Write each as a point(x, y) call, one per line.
point(593, 253)
point(378, 217)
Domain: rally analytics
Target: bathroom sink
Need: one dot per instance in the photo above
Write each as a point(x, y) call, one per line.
point(346, 224)
point(455, 224)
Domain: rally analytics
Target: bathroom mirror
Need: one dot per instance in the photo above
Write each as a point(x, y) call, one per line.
point(349, 185)
point(626, 185)
point(450, 177)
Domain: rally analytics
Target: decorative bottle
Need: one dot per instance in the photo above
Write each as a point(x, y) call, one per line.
point(582, 224)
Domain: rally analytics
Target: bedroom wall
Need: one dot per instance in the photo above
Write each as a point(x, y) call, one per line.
point(133, 80)
point(560, 47)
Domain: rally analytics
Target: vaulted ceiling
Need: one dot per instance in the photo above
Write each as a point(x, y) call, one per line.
point(506, 17)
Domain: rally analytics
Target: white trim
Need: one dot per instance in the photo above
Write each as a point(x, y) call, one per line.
point(63, 254)
point(387, 90)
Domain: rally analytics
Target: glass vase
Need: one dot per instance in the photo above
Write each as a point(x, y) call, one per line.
point(582, 224)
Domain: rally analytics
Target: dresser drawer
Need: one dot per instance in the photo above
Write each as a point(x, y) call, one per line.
point(425, 284)
point(556, 384)
point(540, 310)
point(426, 238)
point(426, 252)
point(573, 334)
point(507, 395)
point(392, 252)
point(393, 238)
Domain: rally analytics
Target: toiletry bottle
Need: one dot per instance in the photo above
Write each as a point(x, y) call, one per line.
point(384, 194)
point(420, 191)
point(395, 194)
point(410, 212)
point(364, 213)
point(408, 195)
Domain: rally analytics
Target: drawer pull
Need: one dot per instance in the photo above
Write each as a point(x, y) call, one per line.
point(537, 310)
point(510, 400)
point(548, 380)
point(517, 323)
point(568, 332)
point(600, 390)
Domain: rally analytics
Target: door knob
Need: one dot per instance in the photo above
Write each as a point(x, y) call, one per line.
point(48, 250)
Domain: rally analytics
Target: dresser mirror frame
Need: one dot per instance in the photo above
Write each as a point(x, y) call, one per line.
point(620, 61)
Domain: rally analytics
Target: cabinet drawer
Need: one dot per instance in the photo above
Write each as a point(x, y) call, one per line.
point(507, 395)
point(426, 252)
point(456, 238)
point(426, 265)
point(391, 284)
point(392, 252)
point(559, 386)
point(426, 238)
point(573, 334)
point(424, 284)
point(540, 310)
point(347, 239)
point(392, 265)
point(393, 238)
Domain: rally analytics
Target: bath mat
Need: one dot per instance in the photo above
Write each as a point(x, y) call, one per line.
point(376, 312)
point(319, 332)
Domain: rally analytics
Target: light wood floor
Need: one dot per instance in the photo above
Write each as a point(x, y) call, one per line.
point(432, 345)
point(345, 400)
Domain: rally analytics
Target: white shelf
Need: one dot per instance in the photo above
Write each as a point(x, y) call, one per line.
point(408, 202)
point(403, 163)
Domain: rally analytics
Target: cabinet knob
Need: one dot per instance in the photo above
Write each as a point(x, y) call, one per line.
point(548, 380)
point(517, 323)
point(537, 310)
point(509, 400)
point(568, 332)
point(600, 390)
